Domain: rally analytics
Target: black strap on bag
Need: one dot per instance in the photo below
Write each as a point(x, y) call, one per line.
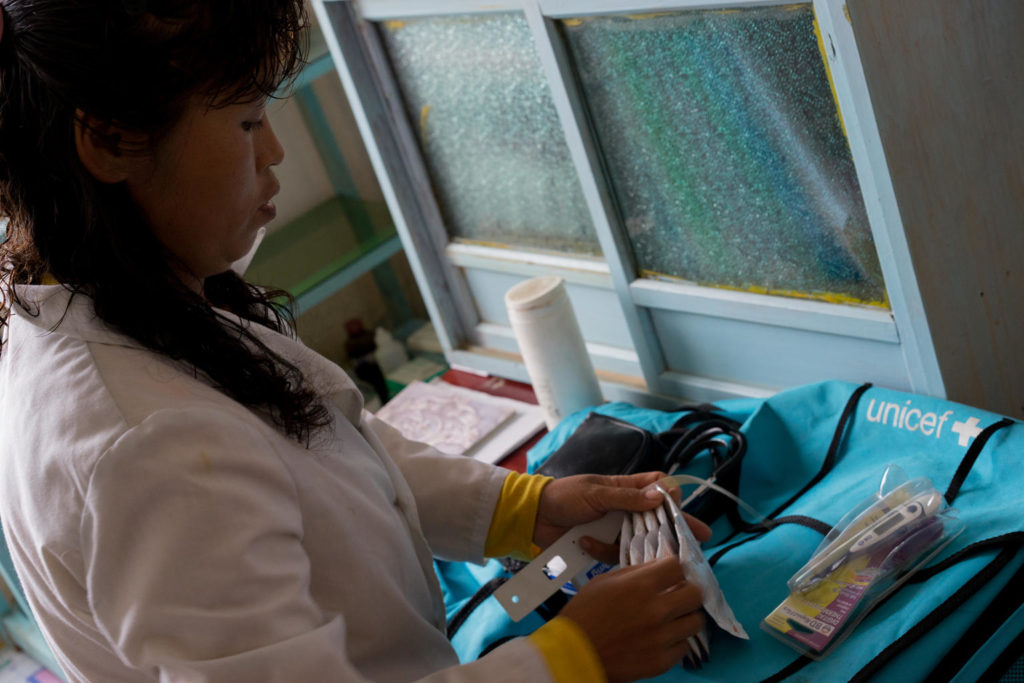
point(971, 456)
point(966, 463)
point(940, 613)
point(482, 593)
point(1006, 660)
point(771, 521)
point(833, 448)
point(768, 524)
point(1009, 599)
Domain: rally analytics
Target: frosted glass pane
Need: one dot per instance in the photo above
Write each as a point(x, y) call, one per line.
point(727, 157)
point(494, 148)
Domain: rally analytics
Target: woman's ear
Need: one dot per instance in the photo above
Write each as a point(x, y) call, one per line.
point(100, 149)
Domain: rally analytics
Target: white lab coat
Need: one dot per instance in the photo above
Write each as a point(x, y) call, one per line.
point(162, 531)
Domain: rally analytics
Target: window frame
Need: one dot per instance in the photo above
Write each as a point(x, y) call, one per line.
point(645, 307)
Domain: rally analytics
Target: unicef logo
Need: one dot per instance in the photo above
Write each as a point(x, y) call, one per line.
point(911, 419)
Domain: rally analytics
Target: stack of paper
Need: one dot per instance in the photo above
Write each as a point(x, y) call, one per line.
point(462, 421)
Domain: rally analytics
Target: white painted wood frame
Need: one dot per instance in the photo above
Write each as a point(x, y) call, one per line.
point(648, 339)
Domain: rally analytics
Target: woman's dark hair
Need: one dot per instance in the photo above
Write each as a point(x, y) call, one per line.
point(136, 64)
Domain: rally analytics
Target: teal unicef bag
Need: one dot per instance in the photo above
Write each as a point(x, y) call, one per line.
point(812, 454)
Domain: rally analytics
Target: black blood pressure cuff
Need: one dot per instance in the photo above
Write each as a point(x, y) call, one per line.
point(707, 442)
point(605, 445)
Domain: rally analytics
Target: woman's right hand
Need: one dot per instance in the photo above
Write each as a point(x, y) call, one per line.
point(638, 618)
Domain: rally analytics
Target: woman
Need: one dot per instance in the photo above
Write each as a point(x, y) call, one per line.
point(189, 493)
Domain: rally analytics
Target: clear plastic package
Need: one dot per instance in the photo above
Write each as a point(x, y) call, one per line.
point(871, 551)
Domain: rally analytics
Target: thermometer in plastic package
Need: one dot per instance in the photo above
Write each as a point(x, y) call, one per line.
point(892, 525)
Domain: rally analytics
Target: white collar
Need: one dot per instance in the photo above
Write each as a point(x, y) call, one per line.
point(50, 307)
point(53, 308)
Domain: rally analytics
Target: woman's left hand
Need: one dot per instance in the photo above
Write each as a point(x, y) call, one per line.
point(570, 501)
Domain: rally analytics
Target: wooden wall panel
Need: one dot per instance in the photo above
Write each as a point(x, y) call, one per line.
point(946, 79)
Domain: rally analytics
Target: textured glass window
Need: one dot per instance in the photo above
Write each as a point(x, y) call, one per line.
point(725, 151)
point(494, 148)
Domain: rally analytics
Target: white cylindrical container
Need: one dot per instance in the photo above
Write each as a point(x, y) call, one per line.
point(552, 347)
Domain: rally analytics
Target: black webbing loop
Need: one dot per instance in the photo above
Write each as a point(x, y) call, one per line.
point(1010, 544)
point(988, 622)
point(496, 644)
point(833, 448)
point(964, 554)
point(972, 454)
point(790, 669)
point(482, 593)
point(550, 608)
point(767, 525)
point(742, 526)
point(947, 607)
point(1007, 658)
point(701, 411)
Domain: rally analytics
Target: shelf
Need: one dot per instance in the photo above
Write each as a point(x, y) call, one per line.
point(333, 244)
point(352, 266)
point(325, 249)
point(315, 69)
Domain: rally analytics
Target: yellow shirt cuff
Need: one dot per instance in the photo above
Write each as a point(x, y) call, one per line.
point(515, 516)
point(568, 652)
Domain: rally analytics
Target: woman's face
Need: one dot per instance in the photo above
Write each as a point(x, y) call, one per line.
point(207, 187)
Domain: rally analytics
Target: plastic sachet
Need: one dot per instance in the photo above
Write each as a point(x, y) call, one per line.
point(663, 532)
point(870, 552)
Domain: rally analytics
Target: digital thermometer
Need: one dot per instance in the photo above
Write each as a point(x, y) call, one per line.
point(893, 524)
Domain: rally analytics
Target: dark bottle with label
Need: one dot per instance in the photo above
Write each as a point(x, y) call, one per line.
point(360, 347)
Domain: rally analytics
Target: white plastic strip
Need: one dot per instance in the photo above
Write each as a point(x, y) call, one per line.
point(679, 480)
point(531, 586)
